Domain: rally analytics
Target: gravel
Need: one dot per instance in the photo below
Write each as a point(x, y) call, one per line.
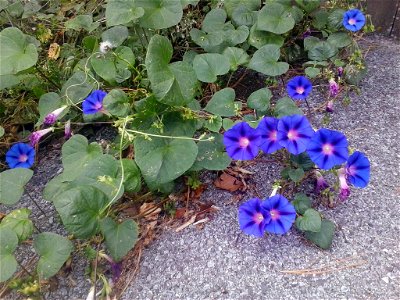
point(219, 262)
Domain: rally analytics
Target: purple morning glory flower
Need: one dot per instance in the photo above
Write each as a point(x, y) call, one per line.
point(340, 71)
point(333, 88)
point(37, 135)
point(358, 169)
point(344, 187)
point(321, 183)
point(282, 214)
point(94, 102)
point(294, 132)
point(241, 141)
point(299, 87)
point(52, 117)
point(353, 20)
point(328, 148)
point(253, 218)
point(20, 155)
point(268, 130)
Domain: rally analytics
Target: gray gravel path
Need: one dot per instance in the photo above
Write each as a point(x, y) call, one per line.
point(219, 262)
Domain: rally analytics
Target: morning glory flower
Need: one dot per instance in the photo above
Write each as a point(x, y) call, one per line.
point(105, 46)
point(241, 141)
point(294, 132)
point(282, 214)
point(67, 130)
point(37, 135)
point(20, 155)
point(353, 20)
point(268, 130)
point(328, 148)
point(94, 102)
point(329, 106)
point(340, 71)
point(52, 117)
point(344, 187)
point(321, 183)
point(358, 169)
point(299, 87)
point(333, 88)
point(253, 218)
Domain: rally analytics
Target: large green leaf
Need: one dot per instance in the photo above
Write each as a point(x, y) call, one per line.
point(296, 174)
point(159, 14)
point(324, 237)
point(82, 22)
point(310, 42)
point(47, 103)
point(265, 60)
point(8, 81)
point(231, 5)
point(115, 35)
point(286, 107)
point(117, 103)
point(209, 65)
point(132, 177)
point(120, 238)
point(242, 15)
point(80, 209)
point(12, 184)
point(339, 39)
point(53, 250)
point(236, 57)
point(309, 221)
point(76, 153)
point(120, 12)
point(208, 41)
point(260, 100)
point(212, 155)
point(214, 20)
point(322, 51)
point(301, 203)
point(258, 38)
point(162, 160)
point(172, 84)
point(335, 19)
point(275, 18)
point(18, 221)
point(236, 36)
point(8, 244)
point(17, 52)
point(77, 87)
point(222, 103)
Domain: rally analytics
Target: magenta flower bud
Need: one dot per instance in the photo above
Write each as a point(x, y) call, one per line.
point(37, 135)
point(67, 130)
point(329, 106)
point(52, 117)
point(344, 187)
point(340, 72)
point(333, 88)
point(321, 183)
point(306, 33)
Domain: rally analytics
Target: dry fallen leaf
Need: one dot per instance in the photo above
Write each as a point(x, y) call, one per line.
point(228, 182)
point(149, 211)
point(54, 51)
point(180, 213)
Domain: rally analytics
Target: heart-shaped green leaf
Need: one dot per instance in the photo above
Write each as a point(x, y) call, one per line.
point(82, 22)
point(80, 209)
point(301, 203)
point(117, 103)
point(322, 51)
point(309, 221)
point(296, 174)
point(119, 12)
point(286, 107)
point(242, 15)
point(12, 184)
point(324, 237)
point(53, 250)
point(214, 20)
point(222, 103)
point(339, 39)
point(159, 14)
point(260, 100)
point(132, 177)
point(120, 238)
point(18, 53)
point(236, 57)
point(209, 65)
point(18, 221)
point(265, 60)
point(258, 38)
point(8, 244)
point(231, 5)
point(275, 18)
point(77, 87)
point(115, 35)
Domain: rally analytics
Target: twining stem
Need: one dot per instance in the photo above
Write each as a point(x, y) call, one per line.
point(170, 137)
point(34, 202)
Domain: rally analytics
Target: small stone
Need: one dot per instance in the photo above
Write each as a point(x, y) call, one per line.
point(385, 279)
point(51, 220)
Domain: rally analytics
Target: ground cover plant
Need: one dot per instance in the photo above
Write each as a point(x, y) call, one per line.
point(164, 75)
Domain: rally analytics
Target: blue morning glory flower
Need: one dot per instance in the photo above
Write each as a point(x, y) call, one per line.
point(282, 212)
point(20, 155)
point(94, 102)
point(268, 130)
point(353, 20)
point(328, 148)
point(294, 132)
point(241, 142)
point(253, 218)
point(299, 87)
point(358, 169)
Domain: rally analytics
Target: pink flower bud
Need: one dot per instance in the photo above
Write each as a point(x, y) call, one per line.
point(333, 88)
point(344, 187)
point(37, 135)
point(52, 117)
point(329, 106)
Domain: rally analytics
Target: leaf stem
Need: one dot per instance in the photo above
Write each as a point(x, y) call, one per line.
point(200, 139)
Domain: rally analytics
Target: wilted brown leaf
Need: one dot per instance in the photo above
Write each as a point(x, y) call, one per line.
point(228, 182)
point(54, 51)
point(149, 211)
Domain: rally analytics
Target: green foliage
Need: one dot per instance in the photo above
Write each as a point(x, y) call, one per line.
point(18, 221)
point(301, 203)
point(208, 66)
point(222, 103)
point(309, 221)
point(286, 107)
point(260, 100)
point(275, 18)
point(12, 184)
point(265, 60)
point(324, 237)
point(8, 244)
